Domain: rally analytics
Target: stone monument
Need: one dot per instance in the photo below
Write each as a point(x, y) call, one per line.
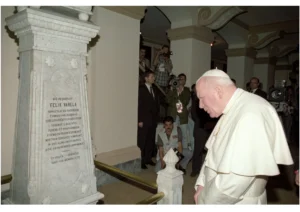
point(53, 161)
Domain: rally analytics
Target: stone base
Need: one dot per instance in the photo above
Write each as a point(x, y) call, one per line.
point(103, 178)
point(91, 200)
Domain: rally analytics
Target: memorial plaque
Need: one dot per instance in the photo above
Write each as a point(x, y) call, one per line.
point(53, 150)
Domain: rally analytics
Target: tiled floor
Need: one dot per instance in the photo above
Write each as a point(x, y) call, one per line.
point(280, 190)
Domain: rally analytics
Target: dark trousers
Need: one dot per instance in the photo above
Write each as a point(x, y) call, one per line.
point(146, 142)
point(200, 138)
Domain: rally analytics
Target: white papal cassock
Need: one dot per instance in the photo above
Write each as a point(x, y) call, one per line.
point(243, 150)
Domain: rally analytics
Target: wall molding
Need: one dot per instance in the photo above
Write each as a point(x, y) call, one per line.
point(265, 60)
point(288, 26)
point(247, 52)
point(203, 34)
point(154, 42)
point(136, 12)
point(283, 67)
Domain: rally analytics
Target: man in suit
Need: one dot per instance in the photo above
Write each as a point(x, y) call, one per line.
point(200, 118)
point(254, 85)
point(148, 116)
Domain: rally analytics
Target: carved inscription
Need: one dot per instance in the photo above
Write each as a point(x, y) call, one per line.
point(64, 132)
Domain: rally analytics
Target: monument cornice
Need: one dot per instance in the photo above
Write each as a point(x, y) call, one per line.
point(203, 34)
point(216, 17)
point(136, 12)
point(247, 52)
point(40, 21)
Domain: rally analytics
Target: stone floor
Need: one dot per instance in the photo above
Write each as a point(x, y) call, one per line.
point(281, 189)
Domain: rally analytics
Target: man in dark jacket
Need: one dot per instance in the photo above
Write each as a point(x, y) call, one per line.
point(148, 116)
point(254, 85)
point(201, 119)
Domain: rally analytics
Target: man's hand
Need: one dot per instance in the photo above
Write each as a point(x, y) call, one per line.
point(162, 164)
point(199, 189)
point(140, 124)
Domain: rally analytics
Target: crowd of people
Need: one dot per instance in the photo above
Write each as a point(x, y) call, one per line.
point(241, 133)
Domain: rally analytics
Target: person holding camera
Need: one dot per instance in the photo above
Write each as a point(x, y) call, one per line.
point(171, 137)
point(164, 67)
point(178, 99)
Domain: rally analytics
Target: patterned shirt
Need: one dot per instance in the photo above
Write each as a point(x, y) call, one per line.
point(163, 70)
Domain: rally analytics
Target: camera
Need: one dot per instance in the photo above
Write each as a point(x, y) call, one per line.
point(277, 96)
point(178, 154)
point(174, 83)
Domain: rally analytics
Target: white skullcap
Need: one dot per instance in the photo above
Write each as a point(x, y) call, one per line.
point(214, 73)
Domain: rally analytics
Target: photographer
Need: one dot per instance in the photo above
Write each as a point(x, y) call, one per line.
point(171, 137)
point(178, 98)
point(163, 67)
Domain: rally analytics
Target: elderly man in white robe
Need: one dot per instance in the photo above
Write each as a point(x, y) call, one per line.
point(245, 146)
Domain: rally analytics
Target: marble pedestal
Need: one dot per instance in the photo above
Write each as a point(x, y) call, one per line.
point(53, 161)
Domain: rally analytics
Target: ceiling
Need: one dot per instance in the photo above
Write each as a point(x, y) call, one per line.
point(261, 15)
point(156, 23)
point(155, 26)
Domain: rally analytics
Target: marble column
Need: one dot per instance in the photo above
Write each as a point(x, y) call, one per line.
point(240, 64)
point(53, 162)
point(191, 51)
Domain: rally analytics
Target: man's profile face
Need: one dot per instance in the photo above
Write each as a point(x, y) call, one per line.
point(165, 50)
point(209, 100)
point(168, 127)
point(182, 80)
point(142, 53)
point(150, 79)
point(254, 84)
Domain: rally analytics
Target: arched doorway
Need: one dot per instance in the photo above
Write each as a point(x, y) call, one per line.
point(154, 28)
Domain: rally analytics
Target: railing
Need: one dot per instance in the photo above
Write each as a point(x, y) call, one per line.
point(127, 176)
point(165, 181)
point(6, 179)
point(152, 199)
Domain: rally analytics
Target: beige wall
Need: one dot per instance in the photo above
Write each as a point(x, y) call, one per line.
point(240, 68)
point(9, 92)
point(114, 84)
point(112, 88)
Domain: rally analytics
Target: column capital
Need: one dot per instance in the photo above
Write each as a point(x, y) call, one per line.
point(247, 52)
point(133, 12)
point(203, 34)
point(216, 17)
point(261, 40)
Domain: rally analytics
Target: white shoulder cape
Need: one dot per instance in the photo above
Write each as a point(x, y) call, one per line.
point(248, 139)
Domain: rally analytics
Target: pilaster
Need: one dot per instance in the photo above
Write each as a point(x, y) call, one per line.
point(191, 51)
